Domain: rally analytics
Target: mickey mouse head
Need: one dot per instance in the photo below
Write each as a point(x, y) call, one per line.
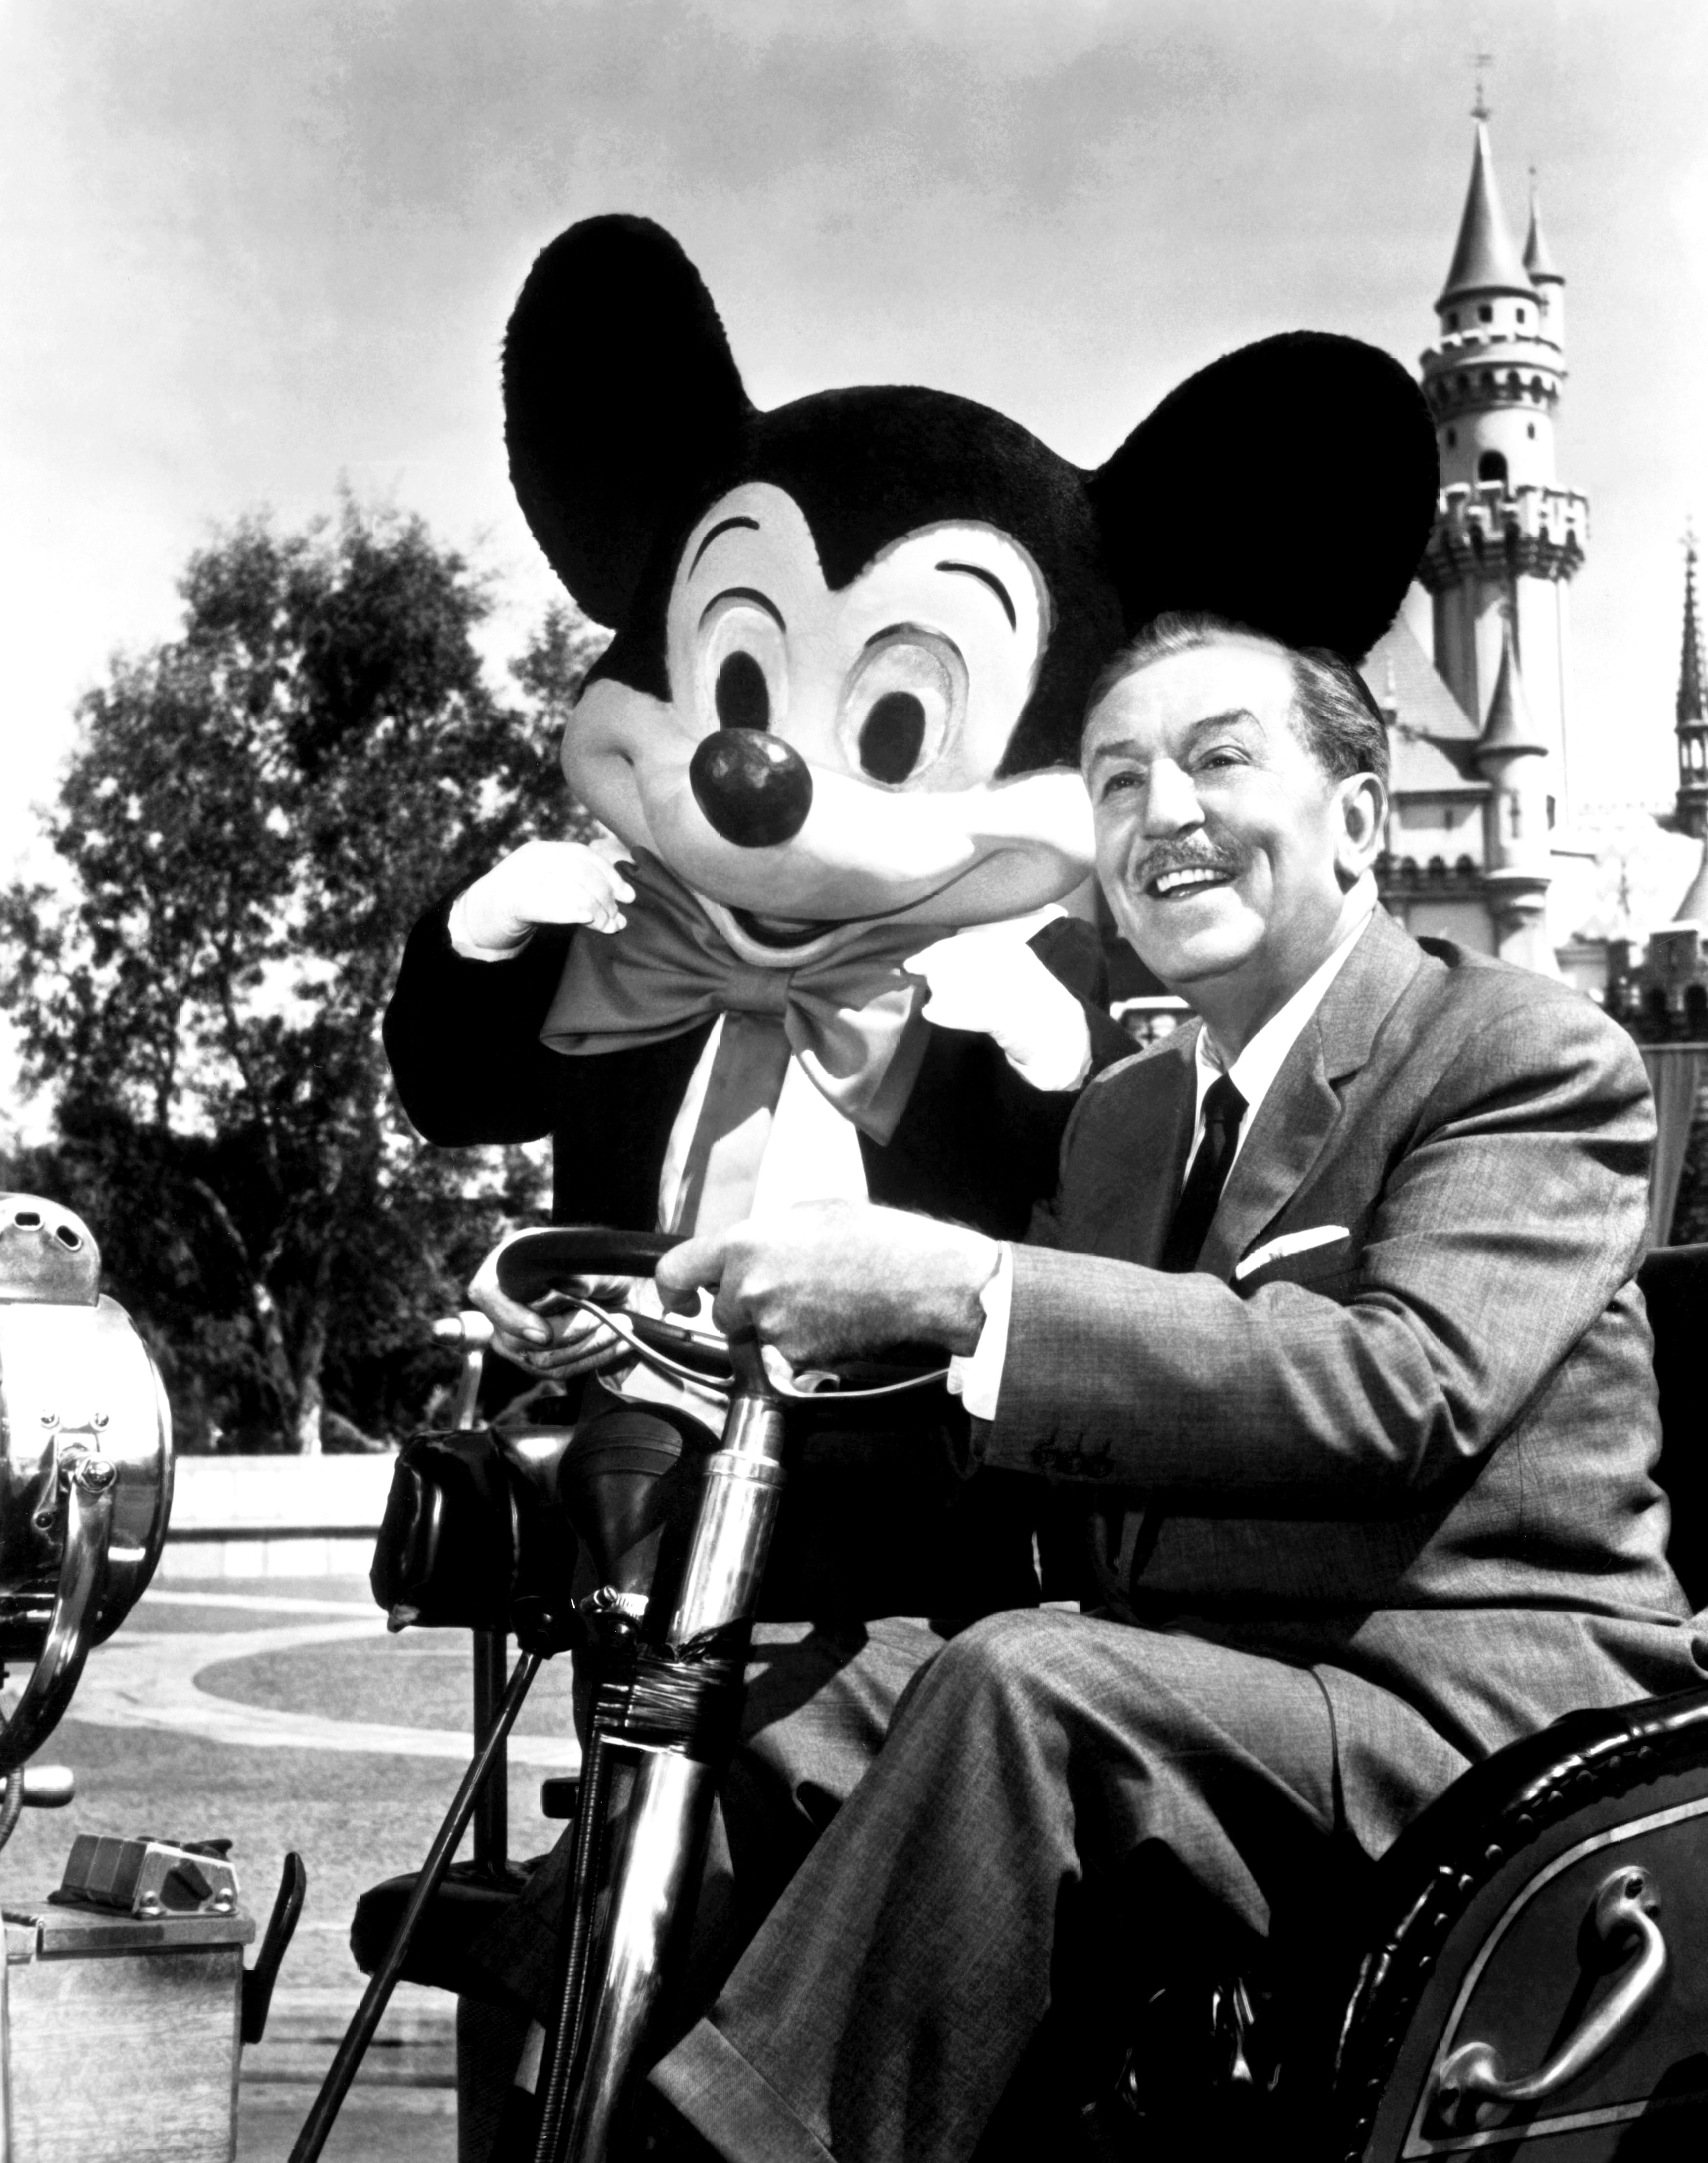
point(855, 635)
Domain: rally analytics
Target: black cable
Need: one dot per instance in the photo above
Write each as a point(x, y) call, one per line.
point(563, 2040)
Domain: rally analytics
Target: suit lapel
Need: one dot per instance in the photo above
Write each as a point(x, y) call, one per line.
point(1295, 1118)
point(1123, 1186)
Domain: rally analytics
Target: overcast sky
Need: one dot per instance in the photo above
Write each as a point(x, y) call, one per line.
point(250, 248)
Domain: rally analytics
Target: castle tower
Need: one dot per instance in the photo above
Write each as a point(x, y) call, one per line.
point(1690, 816)
point(1512, 756)
point(1506, 539)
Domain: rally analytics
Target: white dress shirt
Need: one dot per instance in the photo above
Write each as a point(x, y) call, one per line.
point(976, 1376)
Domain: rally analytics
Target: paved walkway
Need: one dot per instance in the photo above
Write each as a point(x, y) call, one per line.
point(192, 1682)
point(284, 1714)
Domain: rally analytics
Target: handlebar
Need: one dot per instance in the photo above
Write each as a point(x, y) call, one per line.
point(553, 1258)
point(546, 1261)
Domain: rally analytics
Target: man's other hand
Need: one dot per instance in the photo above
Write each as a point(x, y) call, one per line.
point(826, 1279)
point(549, 1339)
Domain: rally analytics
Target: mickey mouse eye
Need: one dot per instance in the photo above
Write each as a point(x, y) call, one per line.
point(741, 664)
point(741, 699)
point(904, 705)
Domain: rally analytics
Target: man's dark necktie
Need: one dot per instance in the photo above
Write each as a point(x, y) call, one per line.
point(1118, 1575)
point(1224, 1108)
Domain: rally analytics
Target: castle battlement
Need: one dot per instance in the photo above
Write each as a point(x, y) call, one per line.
point(1508, 374)
point(1492, 531)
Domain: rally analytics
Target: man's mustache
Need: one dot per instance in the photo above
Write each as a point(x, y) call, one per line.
point(1176, 857)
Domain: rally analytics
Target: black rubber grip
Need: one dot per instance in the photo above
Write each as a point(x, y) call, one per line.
point(535, 1263)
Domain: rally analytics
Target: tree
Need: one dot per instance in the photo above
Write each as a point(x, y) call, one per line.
point(254, 815)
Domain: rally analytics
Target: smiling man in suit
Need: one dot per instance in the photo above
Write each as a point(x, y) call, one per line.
point(1331, 1341)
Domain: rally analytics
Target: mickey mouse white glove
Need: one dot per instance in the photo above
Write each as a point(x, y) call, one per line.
point(543, 883)
point(990, 980)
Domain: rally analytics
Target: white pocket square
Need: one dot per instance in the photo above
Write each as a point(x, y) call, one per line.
point(1290, 1243)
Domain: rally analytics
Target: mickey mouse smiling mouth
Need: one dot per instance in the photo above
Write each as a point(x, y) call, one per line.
point(827, 757)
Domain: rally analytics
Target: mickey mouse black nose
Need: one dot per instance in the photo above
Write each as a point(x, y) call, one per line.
point(754, 790)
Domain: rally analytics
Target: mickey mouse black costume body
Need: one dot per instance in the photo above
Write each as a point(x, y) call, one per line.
point(838, 720)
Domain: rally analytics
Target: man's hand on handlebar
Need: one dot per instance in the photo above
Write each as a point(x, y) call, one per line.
point(549, 1338)
point(828, 1279)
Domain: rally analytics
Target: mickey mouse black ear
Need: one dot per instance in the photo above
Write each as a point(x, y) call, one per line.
point(621, 397)
point(1290, 486)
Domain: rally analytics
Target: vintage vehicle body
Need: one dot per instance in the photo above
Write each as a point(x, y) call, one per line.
point(1527, 1978)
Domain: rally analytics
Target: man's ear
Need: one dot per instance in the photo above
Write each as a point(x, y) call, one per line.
point(622, 403)
point(1362, 825)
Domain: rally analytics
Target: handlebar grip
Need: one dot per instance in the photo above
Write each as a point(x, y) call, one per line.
point(535, 1263)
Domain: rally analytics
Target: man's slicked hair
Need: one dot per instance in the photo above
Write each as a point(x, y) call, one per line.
point(1342, 725)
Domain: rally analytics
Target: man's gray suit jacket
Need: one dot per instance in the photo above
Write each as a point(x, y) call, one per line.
point(1418, 1458)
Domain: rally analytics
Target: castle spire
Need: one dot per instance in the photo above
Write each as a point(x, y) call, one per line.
point(1690, 814)
point(1544, 275)
point(1689, 707)
point(1509, 729)
point(1486, 258)
point(1539, 262)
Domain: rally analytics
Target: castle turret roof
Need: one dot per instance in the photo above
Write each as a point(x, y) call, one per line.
point(1486, 258)
point(1538, 263)
point(1509, 726)
point(1694, 907)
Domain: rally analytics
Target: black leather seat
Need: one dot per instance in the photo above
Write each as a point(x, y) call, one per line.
point(1674, 1282)
point(1483, 1920)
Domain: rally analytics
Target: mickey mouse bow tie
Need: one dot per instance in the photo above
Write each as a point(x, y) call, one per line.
point(849, 1015)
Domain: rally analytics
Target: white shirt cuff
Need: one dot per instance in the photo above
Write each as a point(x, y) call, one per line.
point(471, 950)
point(975, 1377)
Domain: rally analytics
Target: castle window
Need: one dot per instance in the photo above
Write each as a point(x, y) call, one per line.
point(1485, 314)
point(1487, 378)
point(1453, 439)
point(1453, 319)
point(1521, 315)
point(1515, 820)
point(1491, 466)
point(1530, 430)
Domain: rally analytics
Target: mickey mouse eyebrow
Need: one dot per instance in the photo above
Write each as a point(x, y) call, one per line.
point(723, 525)
point(987, 578)
point(746, 593)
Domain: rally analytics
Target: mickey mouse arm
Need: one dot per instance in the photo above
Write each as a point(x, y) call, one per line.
point(1070, 949)
point(464, 1037)
point(977, 1142)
